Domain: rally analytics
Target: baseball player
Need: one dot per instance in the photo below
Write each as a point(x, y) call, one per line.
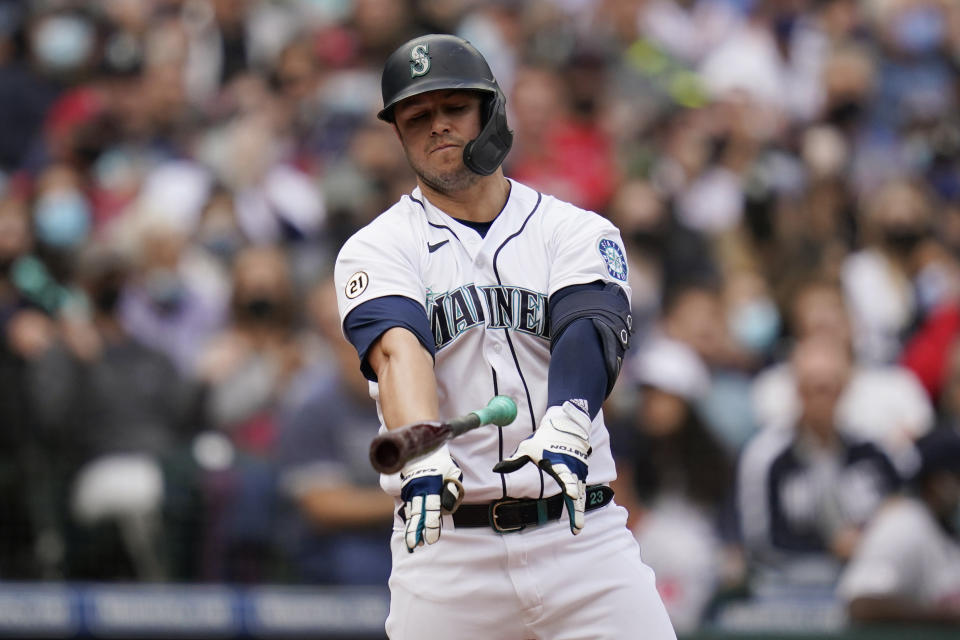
point(475, 285)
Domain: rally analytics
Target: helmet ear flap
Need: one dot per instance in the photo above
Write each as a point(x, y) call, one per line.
point(487, 151)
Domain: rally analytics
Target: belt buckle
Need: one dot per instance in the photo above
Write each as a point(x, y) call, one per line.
point(493, 516)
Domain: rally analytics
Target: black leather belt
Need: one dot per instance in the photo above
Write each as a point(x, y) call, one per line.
point(508, 515)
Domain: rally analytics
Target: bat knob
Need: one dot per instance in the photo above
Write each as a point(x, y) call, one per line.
point(501, 411)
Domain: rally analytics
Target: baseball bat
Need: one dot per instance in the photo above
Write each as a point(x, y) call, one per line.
point(391, 450)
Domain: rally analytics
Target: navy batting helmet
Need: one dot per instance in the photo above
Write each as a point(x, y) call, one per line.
point(437, 61)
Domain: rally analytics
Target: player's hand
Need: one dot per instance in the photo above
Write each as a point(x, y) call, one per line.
point(429, 485)
point(560, 446)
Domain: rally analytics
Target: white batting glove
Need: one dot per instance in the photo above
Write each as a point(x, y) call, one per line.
point(560, 446)
point(429, 485)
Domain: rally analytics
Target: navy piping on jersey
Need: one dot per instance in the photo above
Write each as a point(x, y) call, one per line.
point(483, 227)
point(480, 227)
point(370, 320)
point(443, 226)
point(433, 224)
point(513, 351)
point(496, 392)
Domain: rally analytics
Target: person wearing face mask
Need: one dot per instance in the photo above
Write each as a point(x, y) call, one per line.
point(62, 43)
point(62, 219)
point(907, 567)
point(752, 317)
point(661, 249)
point(263, 309)
point(62, 224)
point(108, 410)
point(168, 304)
point(247, 369)
point(892, 280)
point(62, 215)
point(248, 363)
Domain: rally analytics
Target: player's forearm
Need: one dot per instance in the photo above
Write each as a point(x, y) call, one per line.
point(408, 387)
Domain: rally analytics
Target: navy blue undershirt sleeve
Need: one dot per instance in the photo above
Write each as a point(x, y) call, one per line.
point(577, 369)
point(371, 319)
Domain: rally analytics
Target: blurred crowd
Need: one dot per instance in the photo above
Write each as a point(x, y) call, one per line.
point(176, 177)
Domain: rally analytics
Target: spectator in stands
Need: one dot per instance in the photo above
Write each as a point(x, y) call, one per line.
point(247, 369)
point(688, 30)
point(341, 518)
point(26, 90)
point(907, 567)
point(248, 365)
point(16, 242)
point(690, 313)
point(805, 492)
point(557, 151)
point(928, 350)
point(948, 408)
point(879, 280)
point(659, 249)
point(62, 219)
point(223, 41)
point(694, 314)
point(681, 477)
point(25, 330)
point(111, 411)
point(882, 403)
point(275, 202)
point(167, 304)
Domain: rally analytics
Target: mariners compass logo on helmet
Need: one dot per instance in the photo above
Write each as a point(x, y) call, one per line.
point(410, 71)
point(419, 60)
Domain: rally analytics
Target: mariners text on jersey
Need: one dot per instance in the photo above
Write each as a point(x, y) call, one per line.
point(497, 307)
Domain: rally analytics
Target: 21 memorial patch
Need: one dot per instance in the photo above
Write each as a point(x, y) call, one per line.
point(357, 284)
point(613, 257)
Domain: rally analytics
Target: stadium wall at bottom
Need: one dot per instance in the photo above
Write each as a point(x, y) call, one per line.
point(133, 611)
point(188, 611)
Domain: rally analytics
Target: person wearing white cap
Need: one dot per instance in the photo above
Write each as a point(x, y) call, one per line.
point(681, 475)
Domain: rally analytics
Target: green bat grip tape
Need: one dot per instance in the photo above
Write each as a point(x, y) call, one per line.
point(501, 411)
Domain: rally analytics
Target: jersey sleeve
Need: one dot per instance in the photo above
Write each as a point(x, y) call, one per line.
point(585, 247)
point(379, 260)
point(379, 286)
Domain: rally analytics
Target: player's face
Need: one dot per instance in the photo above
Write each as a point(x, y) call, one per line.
point(433, 128)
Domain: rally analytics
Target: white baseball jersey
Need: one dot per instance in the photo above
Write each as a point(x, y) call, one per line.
point(486, 299)
point(487, 302)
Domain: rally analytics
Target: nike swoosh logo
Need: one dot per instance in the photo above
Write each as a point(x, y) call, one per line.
point(433, 247)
